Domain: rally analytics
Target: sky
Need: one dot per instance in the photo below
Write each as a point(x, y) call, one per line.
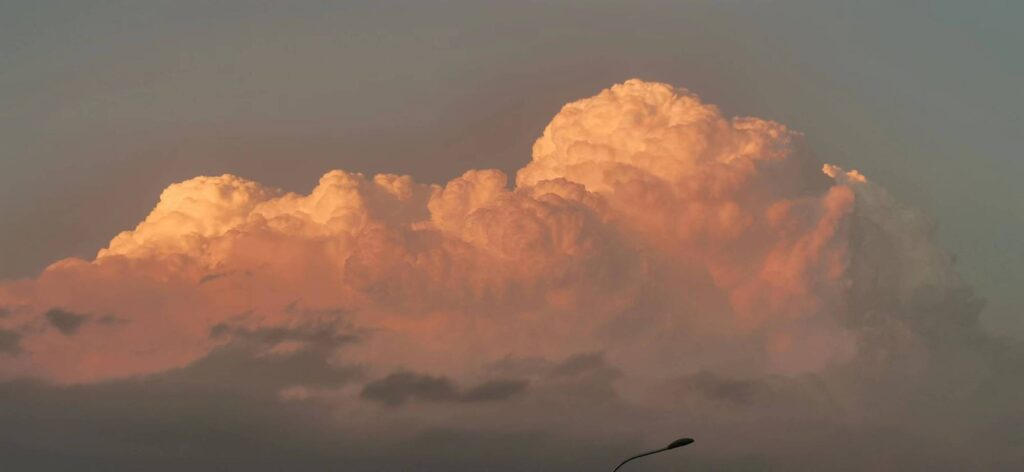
point(443, 221)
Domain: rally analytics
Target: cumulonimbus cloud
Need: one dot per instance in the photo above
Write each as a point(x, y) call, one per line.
point(692, 249)
point(641, 204)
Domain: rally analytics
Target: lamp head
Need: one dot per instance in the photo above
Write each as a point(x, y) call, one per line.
point(680, 443)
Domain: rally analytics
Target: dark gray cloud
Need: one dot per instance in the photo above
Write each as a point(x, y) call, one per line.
point(576, 365)
point(187, 420)
point(68, 323)
point(165, 424)
point(224, 412)
point(246, 361)
point(10, 342)
point(221, 412)
point(733, 391)
point(401, 387)
point(327, 336)
point(494, 390)
point(585, 376)
point(580, 364)
point(211, 277)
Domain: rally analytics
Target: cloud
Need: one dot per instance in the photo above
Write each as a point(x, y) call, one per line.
point(319, 337)
point(220, 411)
point(400, 387)
point(579, 364)
point(68, 323)
point(211, 277)
point(9, 342)
point(65, 321)
point(493, 390)
point(656, 264)
point(727, 390)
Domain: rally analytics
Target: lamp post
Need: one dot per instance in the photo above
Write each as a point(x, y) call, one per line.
point(677, 443)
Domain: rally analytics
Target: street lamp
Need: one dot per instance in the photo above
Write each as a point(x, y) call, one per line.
point(677, 443)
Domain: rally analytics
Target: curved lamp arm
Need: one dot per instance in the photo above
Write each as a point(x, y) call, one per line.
point(677, 443)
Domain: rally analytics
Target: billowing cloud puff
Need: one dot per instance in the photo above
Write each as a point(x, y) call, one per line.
point(709, 259)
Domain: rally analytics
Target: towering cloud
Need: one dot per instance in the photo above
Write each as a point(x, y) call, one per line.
point(721, 270)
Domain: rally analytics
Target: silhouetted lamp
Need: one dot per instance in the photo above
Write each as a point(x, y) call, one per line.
point(674, 444)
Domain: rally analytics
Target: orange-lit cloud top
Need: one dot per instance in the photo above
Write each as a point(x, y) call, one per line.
point(647, 226)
